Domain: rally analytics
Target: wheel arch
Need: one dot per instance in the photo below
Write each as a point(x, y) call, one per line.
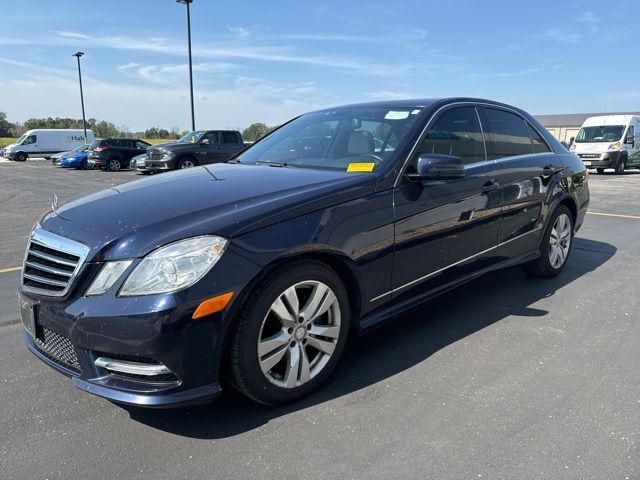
point(338, 263)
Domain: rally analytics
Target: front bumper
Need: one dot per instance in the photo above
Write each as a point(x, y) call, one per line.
point(153, 328)
point(160, 165)
point(604, 160)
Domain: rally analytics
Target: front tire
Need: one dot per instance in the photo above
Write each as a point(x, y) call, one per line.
point(621, 166)
point(21, 157)
point(290, 334)
point(186, 163)
point(555, 245)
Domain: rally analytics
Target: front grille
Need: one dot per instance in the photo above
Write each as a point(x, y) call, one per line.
point(57, 348)
point(51, 263)
point(589, 155)
point(154, 155)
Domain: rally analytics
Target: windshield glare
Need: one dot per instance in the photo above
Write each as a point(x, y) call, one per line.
point(21, 139)
point(80, 149)
point(191, 137)
point(353, 139)
point(603, 133)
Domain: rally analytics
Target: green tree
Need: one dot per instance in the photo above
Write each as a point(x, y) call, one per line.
point(5, 125)
point(255, 132)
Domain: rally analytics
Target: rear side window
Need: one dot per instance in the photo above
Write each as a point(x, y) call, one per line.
point(539, 144)
point(508, 133)
point(229, 137)
point(456, 132)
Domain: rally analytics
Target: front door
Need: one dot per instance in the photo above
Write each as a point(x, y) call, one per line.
point(446, 230)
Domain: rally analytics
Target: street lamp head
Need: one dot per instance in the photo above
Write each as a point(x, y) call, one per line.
point(184, 1)
point(78, 54)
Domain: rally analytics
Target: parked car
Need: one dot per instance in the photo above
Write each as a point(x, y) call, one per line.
point(196, 148)
point(260, 268)
point(77, 160)
point(46, 142)
point(610, 141)
point(114, 154)
point(139, 163)
point(55, 159)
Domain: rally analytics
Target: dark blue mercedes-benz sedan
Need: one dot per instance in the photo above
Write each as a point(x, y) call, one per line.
point(256, 271)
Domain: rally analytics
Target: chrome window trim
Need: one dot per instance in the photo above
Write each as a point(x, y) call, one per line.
point(62, 244)
point(464, 104)
point(429, 275)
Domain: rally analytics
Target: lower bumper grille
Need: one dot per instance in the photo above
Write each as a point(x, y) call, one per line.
point(58, 349)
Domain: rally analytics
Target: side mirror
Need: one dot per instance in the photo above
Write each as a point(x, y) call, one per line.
point(205, 141)
point(438, 167)
point(630, 140)
point(571, 140)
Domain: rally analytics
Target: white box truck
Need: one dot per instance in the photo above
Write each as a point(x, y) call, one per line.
point(610, 141)
point(46, 142)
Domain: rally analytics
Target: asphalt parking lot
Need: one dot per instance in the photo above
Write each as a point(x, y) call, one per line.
point(507, 377)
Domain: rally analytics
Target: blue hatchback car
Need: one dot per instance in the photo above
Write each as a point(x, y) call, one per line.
point(253, 273)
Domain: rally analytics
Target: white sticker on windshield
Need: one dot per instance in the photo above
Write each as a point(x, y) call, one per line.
point(396, 115)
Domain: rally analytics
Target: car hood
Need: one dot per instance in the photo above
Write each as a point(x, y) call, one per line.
point(133, 219)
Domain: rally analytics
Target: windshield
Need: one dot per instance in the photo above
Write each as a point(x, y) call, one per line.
point(192, 137)
point(353, 139)
point(80, 149)
point(603, 133)
point(21, 139)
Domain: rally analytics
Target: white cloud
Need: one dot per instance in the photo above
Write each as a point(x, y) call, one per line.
point(561, 36)
point(71, 34)
point(591, 20)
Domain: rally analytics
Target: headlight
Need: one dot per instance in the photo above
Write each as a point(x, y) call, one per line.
point(107, 277)
point(614, 146)
point(168, 154)
point(175, 266)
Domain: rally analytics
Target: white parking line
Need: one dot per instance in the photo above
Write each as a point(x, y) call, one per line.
point(10, 269)
point(619, 215)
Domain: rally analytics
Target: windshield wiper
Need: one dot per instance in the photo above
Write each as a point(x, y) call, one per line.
point(271, 163)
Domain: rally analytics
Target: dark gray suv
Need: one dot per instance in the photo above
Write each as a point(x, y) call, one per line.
point(195, 148)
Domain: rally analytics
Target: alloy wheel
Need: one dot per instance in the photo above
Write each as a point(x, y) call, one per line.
point(114, 165)
point(187, 164)
point(299, 334)
point(560, 241)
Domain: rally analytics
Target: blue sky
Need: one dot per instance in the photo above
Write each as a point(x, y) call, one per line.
point(268, 61)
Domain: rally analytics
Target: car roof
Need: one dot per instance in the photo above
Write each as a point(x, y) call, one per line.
point(420, 103)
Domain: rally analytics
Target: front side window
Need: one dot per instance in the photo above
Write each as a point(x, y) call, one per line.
point(30, 140)
point(508, 133)
point(142, 145)
point(601, 133)
point(456, 132)
point(630, 131)
point(210, 138)
point(353, 139)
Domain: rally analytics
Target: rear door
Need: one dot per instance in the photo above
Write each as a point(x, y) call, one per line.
point(446, 230)
point(231, 144)
point(527, 169)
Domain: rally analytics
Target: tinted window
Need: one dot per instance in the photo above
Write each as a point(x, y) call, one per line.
point(539, 144)
point(141, 145)
point(229, 137)
point(509, 134)
point(30, 139)
point(456, 132)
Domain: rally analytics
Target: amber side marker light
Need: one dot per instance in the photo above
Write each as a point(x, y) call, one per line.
point(212, 305)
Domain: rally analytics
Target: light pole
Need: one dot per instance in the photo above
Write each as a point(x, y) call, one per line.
point(84, 121)
point(193, 116)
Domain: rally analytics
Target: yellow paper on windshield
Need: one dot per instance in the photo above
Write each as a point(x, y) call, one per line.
point(361, 167)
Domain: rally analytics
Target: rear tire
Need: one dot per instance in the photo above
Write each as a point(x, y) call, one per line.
point(114, 165)
point(555, 245)
point(290, 333)
point(21, 157)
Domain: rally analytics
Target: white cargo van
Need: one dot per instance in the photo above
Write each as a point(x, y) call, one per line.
point(610, 141)
point(46, 142)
